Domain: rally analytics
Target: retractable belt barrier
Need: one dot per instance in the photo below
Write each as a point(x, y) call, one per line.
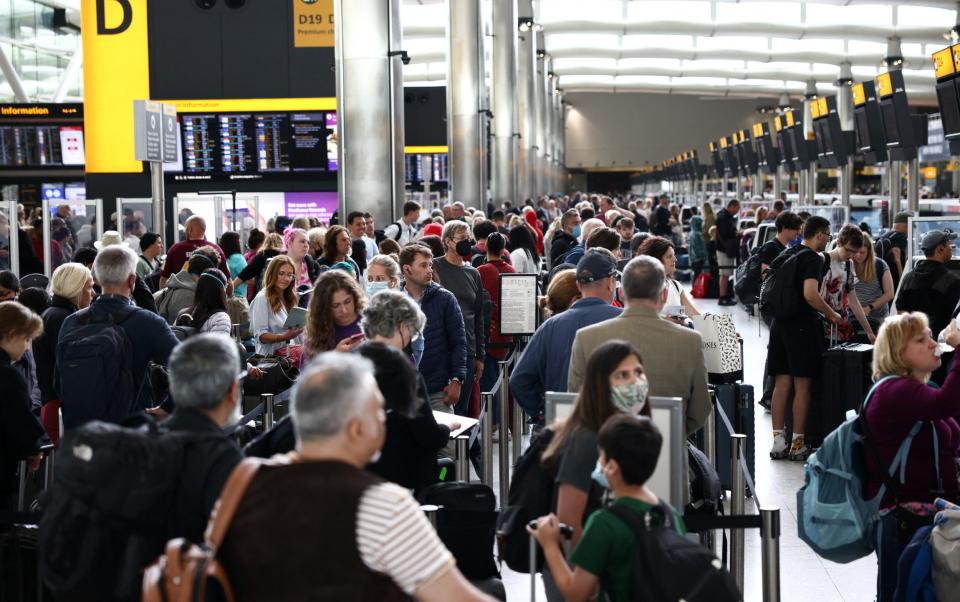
point(767, 519)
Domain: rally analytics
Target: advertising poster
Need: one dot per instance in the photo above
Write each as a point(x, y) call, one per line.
point(310, 204)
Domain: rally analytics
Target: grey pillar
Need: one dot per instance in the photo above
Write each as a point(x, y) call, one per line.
point(895, 189)
point(370, 106)
point(539, 127)
point(913, 186)
point(557, 137)
point(504, 183)
point(562, 151)
point(526, 72)
point(845, 112)
point(547, 125)
point(465, 131)
point(811, 188)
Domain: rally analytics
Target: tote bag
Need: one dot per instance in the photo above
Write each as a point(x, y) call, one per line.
point(721, 347)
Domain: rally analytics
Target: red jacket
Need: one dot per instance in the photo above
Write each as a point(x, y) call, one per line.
point(490, 277)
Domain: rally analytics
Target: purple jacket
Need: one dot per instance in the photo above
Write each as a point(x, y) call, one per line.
point(895, 407)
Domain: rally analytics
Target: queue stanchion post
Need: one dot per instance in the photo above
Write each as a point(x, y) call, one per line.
point(235, 331)
point(486, 438)
point(431, 511)
point(737, 502)
point(770, 548)
point(708, 538)
point(463, 461)
point(504, 443)
point(267, 399)
point(516, 428)
point(48, 465)
point(22, 489)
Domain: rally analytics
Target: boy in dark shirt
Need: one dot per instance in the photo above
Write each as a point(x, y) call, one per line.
point(796, 343)
point(629, 448)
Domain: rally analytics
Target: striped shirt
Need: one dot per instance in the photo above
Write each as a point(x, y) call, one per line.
point(394, 538)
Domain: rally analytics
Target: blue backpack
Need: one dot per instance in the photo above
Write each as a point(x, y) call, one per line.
point(833, 517)
point(95, 362)
point(914, 570)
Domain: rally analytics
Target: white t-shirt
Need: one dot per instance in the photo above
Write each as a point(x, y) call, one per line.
point(673, 294)
point(522, 262)
point(395, 538)
point(407, 232)
point(837, 284)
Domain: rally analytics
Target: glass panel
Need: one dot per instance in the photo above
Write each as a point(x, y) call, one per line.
point(137, 216)
point(189, 205)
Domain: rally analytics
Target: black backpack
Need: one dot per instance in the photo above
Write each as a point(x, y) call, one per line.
point(883, 248)
point(705, 489)
point(747, 278)
point(669, 567)
point(96, 369)
point(466, 522)
point(780, 294)
point(109, 511)
point(530, 497)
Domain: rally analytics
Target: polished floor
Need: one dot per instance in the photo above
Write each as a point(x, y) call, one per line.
point(804, 576)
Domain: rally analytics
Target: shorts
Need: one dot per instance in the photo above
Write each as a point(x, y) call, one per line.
point(796, 347)
point(726, 263)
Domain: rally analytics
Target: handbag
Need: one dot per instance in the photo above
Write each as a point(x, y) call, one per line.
point(721, 347)
point(279, 374)
point(186, 571)
point(701, 286)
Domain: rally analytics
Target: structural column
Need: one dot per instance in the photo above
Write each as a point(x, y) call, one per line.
point(547, 124)
point(557, 135)
point(809, 96)
point(539, 127)
point(526, 72)
point(370, 107)
point(504, 184)
point(845, 112)
point(465, 121)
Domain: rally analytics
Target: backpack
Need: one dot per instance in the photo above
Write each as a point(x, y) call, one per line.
point(668, 567)
point(915, 570)
point(701, 285)
point(705, 489)
point(780, 297)
point(529, 498)
point(883, 248)
point(466, 522)
point(833, 517)
point(185, 572)
point(108, 511)
point(747, 278)
point(96, 369)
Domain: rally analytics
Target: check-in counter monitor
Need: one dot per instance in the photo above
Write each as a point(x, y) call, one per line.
point(768, 155)
point(716, 158)
point(902, 132)
point(867, 123)
point(946, 65)
point(784, 143)
point(731, 162)
point(746, 153)
point(834, 145)
point(803, 151)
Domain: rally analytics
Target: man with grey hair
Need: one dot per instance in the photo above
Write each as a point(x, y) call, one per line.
point(142, 336)
point(374, 541)
point(205, 374)
point(672, 355)
point(393, 318)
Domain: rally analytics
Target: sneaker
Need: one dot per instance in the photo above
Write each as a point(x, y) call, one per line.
point(780, 449)
point(800, 453)
point(765, 404)
point(729, 301)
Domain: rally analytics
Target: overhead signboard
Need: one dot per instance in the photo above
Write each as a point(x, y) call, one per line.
point(148, 131)
point(170, 134)
point(313, 25)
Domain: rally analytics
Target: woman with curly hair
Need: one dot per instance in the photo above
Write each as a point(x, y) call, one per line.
point(334, 315)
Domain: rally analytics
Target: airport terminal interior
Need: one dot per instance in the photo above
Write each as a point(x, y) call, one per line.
point(479, 300)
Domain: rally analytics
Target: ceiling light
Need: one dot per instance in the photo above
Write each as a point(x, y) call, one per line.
point(525, 23)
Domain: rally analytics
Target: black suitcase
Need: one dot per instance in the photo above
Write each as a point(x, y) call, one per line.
point(466, 522)
point(736, 401)
point(845, 378)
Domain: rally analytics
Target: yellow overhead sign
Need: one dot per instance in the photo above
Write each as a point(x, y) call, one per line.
point(777, 123)
point(425, 150)
point(859, 96)
point(884, 85)
point(815, 109)
point(790, 119)
point(943, 65)
point(313, 24)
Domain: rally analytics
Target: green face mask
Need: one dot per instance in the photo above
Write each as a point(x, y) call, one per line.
point(627, 397)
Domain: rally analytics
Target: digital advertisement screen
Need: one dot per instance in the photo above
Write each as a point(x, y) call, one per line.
point(251, 145)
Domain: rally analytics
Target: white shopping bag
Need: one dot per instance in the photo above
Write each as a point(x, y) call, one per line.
point(721, 347)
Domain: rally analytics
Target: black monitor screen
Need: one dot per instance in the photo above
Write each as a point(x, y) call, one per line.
point(949, 108)
point(890, 128)
point(862, 128)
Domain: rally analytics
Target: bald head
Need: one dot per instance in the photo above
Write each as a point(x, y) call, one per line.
point(587, 228)
point(196, 227)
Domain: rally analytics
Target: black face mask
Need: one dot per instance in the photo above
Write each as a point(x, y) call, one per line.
point(463, 248)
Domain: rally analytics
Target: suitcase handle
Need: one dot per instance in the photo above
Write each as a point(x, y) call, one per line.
point(566, 531)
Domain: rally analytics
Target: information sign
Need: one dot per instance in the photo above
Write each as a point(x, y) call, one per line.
point(518, 304)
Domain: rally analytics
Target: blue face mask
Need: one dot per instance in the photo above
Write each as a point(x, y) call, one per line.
point(375, 287)
point(599, 477)
point(576, 231)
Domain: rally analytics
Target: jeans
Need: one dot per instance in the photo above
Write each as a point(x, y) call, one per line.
point(463, 404)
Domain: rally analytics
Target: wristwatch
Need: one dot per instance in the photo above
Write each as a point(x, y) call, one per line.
point(455, 379)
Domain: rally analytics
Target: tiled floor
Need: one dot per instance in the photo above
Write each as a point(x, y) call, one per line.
point(804, 577)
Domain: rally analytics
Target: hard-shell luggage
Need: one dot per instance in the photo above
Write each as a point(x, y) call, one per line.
point(845, 378)
point(736, 401)
point(466, 521)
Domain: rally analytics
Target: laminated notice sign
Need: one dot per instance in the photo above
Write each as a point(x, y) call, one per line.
point(518, 304)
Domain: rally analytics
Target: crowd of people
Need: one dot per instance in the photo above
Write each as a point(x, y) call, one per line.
point(383, 328)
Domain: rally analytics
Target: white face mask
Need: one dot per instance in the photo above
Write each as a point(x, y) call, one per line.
point(375, 287)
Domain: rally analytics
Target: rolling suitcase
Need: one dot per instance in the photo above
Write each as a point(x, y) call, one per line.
point(845, 378)
point(466, 521)
point(736, 401)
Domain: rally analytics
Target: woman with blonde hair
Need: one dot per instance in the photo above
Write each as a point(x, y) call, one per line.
point(709, 219)
point(268, 312)
point(904, 410)
point(333, 323)
point(874, 282)
point(72, 289)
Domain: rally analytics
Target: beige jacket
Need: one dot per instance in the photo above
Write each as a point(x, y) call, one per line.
point(672, 357)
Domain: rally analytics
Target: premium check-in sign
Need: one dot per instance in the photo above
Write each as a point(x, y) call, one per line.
point(147, 128)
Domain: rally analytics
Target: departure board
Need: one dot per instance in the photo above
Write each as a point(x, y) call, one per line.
point(41, 136)
point(255, 145)
point(30, 146)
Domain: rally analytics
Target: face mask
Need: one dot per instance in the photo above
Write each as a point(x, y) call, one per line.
point(463, 248)
point(576, 231)
point(375, 287)
point(627, 397)
point(598, 476)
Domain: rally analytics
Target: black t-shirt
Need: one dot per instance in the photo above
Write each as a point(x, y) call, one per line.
point(661, 221)
point(770, 250)
point(809, 267)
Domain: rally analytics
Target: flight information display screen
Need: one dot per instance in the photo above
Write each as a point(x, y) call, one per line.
point(41, 136)
point(258, 144)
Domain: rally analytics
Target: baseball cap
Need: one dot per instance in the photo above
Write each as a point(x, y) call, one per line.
point(595, 266)
point(902, 217)
point(934, 238)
